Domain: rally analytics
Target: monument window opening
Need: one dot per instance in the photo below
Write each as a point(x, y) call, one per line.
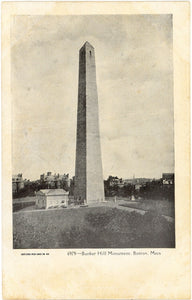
point(90, 53)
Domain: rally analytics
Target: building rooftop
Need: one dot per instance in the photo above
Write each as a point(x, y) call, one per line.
point(168, 175)
point(52, 191)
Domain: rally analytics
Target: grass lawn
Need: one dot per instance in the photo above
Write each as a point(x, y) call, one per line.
point(21, 203)
point(162, 207)
point(24, 199)
point(92, 227)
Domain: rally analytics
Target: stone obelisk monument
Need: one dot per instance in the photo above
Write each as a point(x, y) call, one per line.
point(89, 185)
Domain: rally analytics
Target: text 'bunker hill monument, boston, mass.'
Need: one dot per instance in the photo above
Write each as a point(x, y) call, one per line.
point(88, 169)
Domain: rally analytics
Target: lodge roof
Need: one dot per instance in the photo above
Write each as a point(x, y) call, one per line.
point(51, 192)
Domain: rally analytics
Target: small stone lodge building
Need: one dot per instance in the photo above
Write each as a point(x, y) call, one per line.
point(51, 197)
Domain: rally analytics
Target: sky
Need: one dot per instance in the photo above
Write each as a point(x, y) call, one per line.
point(135, 92)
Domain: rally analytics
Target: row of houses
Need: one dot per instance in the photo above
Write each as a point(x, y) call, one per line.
point(167, 179)
point(55, 180)
point(57, 186)
point(46, 181)
point(114, 180)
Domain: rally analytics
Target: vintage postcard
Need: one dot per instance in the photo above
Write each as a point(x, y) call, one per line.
point(96, 150)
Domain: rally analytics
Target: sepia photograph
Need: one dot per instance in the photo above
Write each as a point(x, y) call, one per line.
point(92, 131)
point(96, 150)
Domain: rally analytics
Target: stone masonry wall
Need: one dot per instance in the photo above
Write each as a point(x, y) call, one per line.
point(88, 174)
